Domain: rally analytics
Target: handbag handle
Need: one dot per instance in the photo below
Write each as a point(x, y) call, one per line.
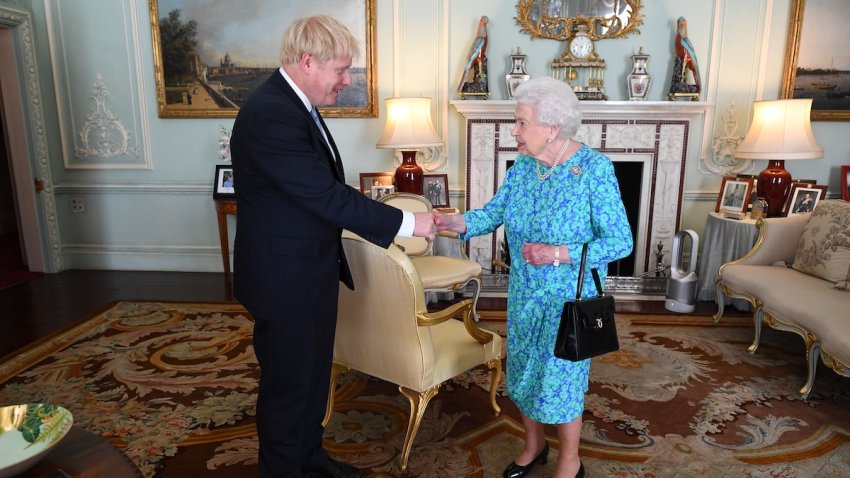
point(581, 275)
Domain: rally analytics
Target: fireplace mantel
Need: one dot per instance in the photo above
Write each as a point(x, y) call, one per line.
point(654, 133)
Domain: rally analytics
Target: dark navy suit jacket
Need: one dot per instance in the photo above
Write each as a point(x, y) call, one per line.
point(292, 204)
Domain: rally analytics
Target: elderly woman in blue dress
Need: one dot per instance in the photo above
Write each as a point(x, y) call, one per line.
point(558, 195)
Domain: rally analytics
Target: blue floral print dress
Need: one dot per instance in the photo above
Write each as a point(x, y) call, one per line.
point(580, 202)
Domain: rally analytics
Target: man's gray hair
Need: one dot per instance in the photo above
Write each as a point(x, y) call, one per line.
point(321, 36)
point(554, 103)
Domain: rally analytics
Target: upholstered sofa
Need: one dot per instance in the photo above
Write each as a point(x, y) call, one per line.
point(797, 277)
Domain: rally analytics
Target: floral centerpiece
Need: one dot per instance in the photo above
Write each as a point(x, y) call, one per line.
point(224, 144)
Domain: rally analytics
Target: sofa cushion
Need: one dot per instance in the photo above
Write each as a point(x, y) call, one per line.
point(824, 247)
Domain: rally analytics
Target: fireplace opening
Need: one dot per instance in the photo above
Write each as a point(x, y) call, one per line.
point(629, 176)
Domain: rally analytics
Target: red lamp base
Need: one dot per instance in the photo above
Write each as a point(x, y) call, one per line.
point(774, 184)
point(408, 175)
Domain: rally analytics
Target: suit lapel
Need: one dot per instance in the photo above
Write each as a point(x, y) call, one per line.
point(336, 165)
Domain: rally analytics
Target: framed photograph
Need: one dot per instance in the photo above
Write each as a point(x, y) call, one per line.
point(734, 194)
point(816, 62)
point(380, 191)
point(370, 180)
point(803, 198)
point(845, 182)
point(436, 189)
point(210, 56)
point(223, 187)
point(753, 190)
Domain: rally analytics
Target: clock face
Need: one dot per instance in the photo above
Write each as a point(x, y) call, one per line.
point(581, 47)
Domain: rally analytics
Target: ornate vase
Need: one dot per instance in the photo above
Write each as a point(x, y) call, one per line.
point(639, 80)
point(408, 175)
point(518, 75)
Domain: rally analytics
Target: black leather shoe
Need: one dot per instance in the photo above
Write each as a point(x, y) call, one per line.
point(519, 471)
point(333, 469)
point(580, 473)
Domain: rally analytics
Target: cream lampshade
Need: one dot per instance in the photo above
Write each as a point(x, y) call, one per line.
point(408, 127)
point(781, 130)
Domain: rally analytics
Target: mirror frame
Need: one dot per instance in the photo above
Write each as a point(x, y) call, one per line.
point(546, 23)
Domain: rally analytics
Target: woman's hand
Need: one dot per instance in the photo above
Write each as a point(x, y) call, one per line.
point(538, 254)
point(449, 222)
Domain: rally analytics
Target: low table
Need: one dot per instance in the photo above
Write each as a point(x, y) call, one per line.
point(82, 454)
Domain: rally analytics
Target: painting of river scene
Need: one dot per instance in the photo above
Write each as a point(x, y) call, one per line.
point(817, 59)
point(209, 55)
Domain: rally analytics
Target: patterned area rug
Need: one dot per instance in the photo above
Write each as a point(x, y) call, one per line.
point(173, 386)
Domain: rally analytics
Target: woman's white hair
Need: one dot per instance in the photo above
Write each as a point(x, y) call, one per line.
point(554, 103)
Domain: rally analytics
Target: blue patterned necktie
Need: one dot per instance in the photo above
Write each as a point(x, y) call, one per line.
point(315, 114)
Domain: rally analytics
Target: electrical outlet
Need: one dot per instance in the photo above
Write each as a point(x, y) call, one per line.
point(78, 205)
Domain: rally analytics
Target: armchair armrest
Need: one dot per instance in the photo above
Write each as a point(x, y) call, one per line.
point(777, 240)
point(427, 319)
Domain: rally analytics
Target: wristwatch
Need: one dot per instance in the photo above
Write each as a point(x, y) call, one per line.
point(557, 260)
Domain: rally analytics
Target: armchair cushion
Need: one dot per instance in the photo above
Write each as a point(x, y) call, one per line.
point(439, 272)
point(824, 247)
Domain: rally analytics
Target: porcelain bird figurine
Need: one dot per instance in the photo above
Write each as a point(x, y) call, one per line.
point(476, 56)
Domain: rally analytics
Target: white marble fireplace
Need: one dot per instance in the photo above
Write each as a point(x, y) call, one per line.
point(655, 134)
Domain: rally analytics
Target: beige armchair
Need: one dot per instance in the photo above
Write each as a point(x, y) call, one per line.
point(438, 273)
point(385, 330)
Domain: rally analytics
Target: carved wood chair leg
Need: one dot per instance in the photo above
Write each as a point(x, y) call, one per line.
point(721, 302)
point(336, 371)
point(495, 366)
point(758, 317)
point(418, 403)
point(812, 358)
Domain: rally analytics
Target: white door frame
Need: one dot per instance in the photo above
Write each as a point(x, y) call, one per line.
point(26, 136)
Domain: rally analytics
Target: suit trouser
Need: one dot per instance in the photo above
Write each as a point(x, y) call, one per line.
point(295, 355)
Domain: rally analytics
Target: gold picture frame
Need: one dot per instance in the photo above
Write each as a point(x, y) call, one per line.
point(821, 81)
point(208, 80)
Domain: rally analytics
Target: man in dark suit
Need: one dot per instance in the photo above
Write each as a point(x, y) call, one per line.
point(292, 205)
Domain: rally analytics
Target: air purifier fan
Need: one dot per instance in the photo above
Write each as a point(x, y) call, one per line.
point(682, 284)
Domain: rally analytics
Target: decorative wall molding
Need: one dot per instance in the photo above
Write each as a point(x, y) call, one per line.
point(130, 129)
point(103, 135)
point(21, 23)
point(135, 188)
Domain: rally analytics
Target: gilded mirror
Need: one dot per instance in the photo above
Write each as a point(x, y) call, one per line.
point(559, 19)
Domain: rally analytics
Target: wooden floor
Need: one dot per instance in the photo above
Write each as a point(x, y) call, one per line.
point(48, 304)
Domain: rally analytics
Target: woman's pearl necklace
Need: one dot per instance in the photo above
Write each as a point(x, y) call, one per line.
point(544, 175)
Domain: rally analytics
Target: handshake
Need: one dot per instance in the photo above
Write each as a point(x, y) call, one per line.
point(429, 224)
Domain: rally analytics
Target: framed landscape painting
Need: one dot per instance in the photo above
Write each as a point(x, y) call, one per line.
point(210, 56)
point(817, 64)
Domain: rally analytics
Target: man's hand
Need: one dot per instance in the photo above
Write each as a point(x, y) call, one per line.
point(449, 222)
point(424, 226)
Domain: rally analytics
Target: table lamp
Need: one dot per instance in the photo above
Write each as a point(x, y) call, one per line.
point(408, 127)
point(781, 130)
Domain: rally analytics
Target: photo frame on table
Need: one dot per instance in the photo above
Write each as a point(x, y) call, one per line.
point(734, 194)
point(753, 190)
point(209, 57)
point(845, 182)
point(380, 191)
point(224, 186)
point(370, 180)
point(814, 52)
point(435, 187)
point(803, 198)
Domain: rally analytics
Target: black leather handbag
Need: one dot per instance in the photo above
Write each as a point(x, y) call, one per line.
point(587, 326)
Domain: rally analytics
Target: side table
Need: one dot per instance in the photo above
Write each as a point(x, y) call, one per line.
point(224, 207)
point(723, 240)
point(83, 454)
